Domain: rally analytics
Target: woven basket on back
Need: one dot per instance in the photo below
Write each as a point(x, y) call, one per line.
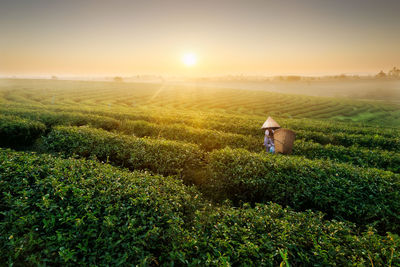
point(284, 139)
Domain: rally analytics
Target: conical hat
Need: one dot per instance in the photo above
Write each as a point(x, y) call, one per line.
point(270, 123)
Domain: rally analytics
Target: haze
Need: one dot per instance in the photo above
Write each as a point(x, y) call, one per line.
point(310, 37)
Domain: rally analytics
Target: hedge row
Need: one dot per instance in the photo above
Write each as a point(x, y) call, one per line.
point(239, 124)
point(363, 157)
point(364, 196)
point(329, 126)
point(243, 124)
point(210, 140)
point(206, 139)
point(268, 235)
point(362, 140)
point(54, 118)
point(387, 139)
point(17, 132)
point(56, 212)
point(68, 212)
point(370, 141)
point(159, 156)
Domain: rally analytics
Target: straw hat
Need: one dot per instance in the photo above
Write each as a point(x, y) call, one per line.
point(270, 123)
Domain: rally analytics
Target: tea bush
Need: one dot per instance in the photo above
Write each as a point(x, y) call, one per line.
point(212, 131)
point(363, 157)
point(159, 156)
point(52, 118)
point(364, 196)
point(266, 234)
point(67, 212)
point(206, 139)
point(56, 212)
point(343, 139)
point(17, 132)
point(211, 139)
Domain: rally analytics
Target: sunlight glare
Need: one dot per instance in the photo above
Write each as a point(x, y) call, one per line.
point(189, 59)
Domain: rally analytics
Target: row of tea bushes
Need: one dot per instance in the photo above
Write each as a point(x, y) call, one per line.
point(243, 124)
point(16, 132)
point(159, 156)
point(319, 135)
point(240, 124)
point(206, 139)
point(364, 196)
point(363, 157)
point(65, 211)
point(54, 118)
point(268, 235)
point(245, 176)
point(68, 212)
point(386, 139)
point(362, 140)
point(211, 139)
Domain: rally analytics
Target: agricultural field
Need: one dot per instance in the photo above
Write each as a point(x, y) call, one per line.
point(117, 173)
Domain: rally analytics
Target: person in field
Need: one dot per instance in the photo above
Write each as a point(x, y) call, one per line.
point(269, 126)
point(269, 141)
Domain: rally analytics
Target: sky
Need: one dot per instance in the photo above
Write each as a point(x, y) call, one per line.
point(251, 37)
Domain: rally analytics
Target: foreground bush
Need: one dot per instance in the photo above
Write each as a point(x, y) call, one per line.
point(158, 156)
point(16, 132)
point(364, 196)
point(56, 211)
point(268, 235)
point(61, 212)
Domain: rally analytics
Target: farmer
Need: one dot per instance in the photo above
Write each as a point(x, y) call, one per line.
point(269, 141)
point(270, 125)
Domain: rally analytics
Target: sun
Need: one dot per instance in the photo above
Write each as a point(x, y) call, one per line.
point(189, 59)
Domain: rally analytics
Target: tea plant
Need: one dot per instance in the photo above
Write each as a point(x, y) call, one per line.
point(16, 132)
point(364, 196)
point(159, 156)
point(68, 212)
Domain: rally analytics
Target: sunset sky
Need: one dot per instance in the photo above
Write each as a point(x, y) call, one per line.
point(100, 37)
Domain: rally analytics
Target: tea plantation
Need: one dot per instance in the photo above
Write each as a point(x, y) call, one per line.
point(122, 174)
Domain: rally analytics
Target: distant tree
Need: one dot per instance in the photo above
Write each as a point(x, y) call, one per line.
point(293, 78)
point(54, 77)
point(341, 77)
point(118, 79)
point(381, 75)
point(395, 72)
